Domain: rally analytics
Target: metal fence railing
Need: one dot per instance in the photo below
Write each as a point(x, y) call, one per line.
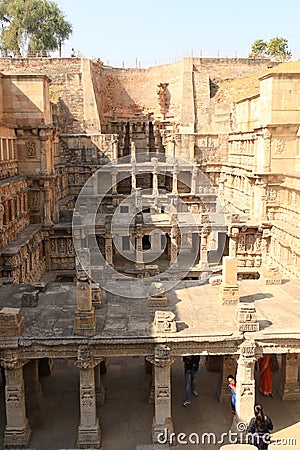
point(141, 62)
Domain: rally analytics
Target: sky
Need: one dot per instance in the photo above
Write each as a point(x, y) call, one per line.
point(145, 33)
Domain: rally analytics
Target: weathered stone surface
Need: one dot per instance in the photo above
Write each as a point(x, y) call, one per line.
point(246, 317)
point(164, 322)
point(11, 322)
point(30, 299)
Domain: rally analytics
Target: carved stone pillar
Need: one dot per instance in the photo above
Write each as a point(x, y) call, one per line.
point(109, 249)
point(17, 431)
point(139, 256)
point(89, 434)
point(229, 291)
point(114, 181)
point(100, 391)
point(228, 367)
point(203, 246)
point(175, 180)
point(289, 386)
point(85, 320)
point(33, 388)
point(233, 241)
point(133, 179)
point(162, 422)
point(194, 180)
point(47, 206)
point(155, 184)
point(174, 245)
point(245, 382)
point(115, 149)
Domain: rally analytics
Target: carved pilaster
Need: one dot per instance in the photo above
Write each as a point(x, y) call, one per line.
point(17, 431)
point(89, 434)
point(289, 385)
point(162, 421)
point(245, 389)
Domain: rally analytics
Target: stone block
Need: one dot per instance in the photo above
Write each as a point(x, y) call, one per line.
point(157, 295)
point(11, 322)
point(215, 280)
point(229, 271)
point(164, 322)
point(229, 295)
point(246, 317)
point(41, 286)
point(271, 275)
point(85, 323)
point(96, 296)
point(30, 299)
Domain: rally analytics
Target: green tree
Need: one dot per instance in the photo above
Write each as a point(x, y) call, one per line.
point(278, 48)
point(259, 49)
point(32, 26)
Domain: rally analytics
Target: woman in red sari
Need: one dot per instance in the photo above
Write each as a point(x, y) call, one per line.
point(265, 376)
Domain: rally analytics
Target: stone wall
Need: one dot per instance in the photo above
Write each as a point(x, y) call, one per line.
point(66, 92)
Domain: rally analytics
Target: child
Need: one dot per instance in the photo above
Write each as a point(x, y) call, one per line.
point(232, 388)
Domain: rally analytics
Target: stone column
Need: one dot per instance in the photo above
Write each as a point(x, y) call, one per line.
point(228, 367)
point(109, 249)
point(1, 150)
point(139, 257)
point(245, 388)
point(100, 391)
point(229, 291)
point(233, 241)
point(174, 245)
point(133, 179)
point(47, 206)
point(157, 140)
point(89, 434)
point(289, 386)
point(162, 421)
point(194, 180)
point(114, 181)
point(155, 183)
point(175, 180)
point(115, 149)
point(17, 431)
point(85, 320)
point(203, 246)
point(33, 388)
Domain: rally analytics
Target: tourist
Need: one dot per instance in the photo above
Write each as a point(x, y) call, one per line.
point(232, 388)
point(191, 366)
point(265, 376)
point(73, 54)
point(259, 429)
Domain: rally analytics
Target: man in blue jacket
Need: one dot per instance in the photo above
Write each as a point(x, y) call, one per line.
point(191, 366)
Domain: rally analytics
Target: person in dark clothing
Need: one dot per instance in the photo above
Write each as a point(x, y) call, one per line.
point(259, 429)
point(191, 366)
